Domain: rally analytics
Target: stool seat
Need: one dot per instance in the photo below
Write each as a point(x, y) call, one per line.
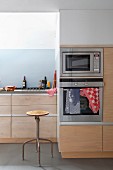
point(37, 113)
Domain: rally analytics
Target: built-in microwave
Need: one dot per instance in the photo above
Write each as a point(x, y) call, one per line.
point(81, 62)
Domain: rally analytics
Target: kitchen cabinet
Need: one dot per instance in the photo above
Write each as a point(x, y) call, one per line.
point(23, 103)
point(16, 126)
point(92, 140)
point(80, 138)
point(79, 27)
point(25, 127)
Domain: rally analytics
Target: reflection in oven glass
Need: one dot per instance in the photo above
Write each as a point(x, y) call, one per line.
point(77, 104)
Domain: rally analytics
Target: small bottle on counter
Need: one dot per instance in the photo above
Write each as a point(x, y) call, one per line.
point(48, 84)
point(24, 83)
point(45, 82)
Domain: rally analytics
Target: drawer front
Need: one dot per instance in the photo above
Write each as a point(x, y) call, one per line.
point(5, 127)
point(25, 127)
point(23, 109)
point(48, 127)
point(80, 138)
point(107, 138)
point(32, 99)
point(5, 100)
point(5, 110)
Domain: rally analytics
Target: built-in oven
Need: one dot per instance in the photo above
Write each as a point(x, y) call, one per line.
point(81, 100)
point(81, 62)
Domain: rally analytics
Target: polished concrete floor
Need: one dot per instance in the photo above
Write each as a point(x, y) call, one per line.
point(11, 159)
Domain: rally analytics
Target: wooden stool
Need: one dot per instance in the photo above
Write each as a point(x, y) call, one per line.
point(37, 114)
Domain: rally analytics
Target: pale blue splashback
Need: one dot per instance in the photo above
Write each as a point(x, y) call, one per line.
point(35, 64)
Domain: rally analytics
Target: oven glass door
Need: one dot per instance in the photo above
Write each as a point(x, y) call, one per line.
point(77, 62)
point(81, 104)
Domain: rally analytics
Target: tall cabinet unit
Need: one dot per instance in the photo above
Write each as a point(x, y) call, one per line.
point(92, 140)
point(89, 140)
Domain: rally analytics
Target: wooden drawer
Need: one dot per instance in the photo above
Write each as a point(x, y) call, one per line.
point(5, 127)
point(5, 99)
point(48, 127)
point(25, 127)
point(5, 110)
point(80, 138)
point(35, 99)
point(24, 109)
point(107, 138)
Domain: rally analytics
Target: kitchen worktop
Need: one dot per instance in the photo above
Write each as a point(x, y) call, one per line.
point(43, 91)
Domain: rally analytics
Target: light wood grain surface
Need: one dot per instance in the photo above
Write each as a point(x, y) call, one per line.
point(80, 138)
point(108, 87)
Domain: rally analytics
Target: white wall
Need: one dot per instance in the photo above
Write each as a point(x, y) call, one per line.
point(83, 27)
point(53, 5)
point(27, 30)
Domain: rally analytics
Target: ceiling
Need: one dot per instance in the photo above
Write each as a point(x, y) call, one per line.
point(53, 5)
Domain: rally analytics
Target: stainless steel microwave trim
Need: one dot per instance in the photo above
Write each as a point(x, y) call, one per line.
point(72, 51)
point(78, 72)
point(81, 118)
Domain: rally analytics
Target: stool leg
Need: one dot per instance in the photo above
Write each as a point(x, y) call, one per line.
point(39, 153)
point(51, 145)
point(24, 145)
point(37, 136)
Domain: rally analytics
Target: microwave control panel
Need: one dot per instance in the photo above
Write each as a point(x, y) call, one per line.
point(96, 62)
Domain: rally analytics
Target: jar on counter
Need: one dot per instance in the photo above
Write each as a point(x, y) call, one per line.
point(48, 84)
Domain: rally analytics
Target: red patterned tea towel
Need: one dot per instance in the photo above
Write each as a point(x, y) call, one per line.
point(92, 95)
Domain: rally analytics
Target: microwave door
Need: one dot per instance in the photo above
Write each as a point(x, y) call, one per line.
point(77, 63)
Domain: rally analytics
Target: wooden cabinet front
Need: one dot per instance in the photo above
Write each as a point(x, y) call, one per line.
point(5, 127)
point(21, 109)
point(80, 138)
point(107, 138)
point(5, 100)
point(24, 126)
point(35, 99)
point(108, 85)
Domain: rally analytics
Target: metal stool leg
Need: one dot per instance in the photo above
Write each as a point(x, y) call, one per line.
point(39, 153)
point(51, 144)
point(24, 145)
point(37, 136)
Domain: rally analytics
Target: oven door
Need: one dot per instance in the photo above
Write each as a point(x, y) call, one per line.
point(81, 101)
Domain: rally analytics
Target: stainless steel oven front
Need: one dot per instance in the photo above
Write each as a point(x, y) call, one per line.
point(81, 100)
point(81, 62)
